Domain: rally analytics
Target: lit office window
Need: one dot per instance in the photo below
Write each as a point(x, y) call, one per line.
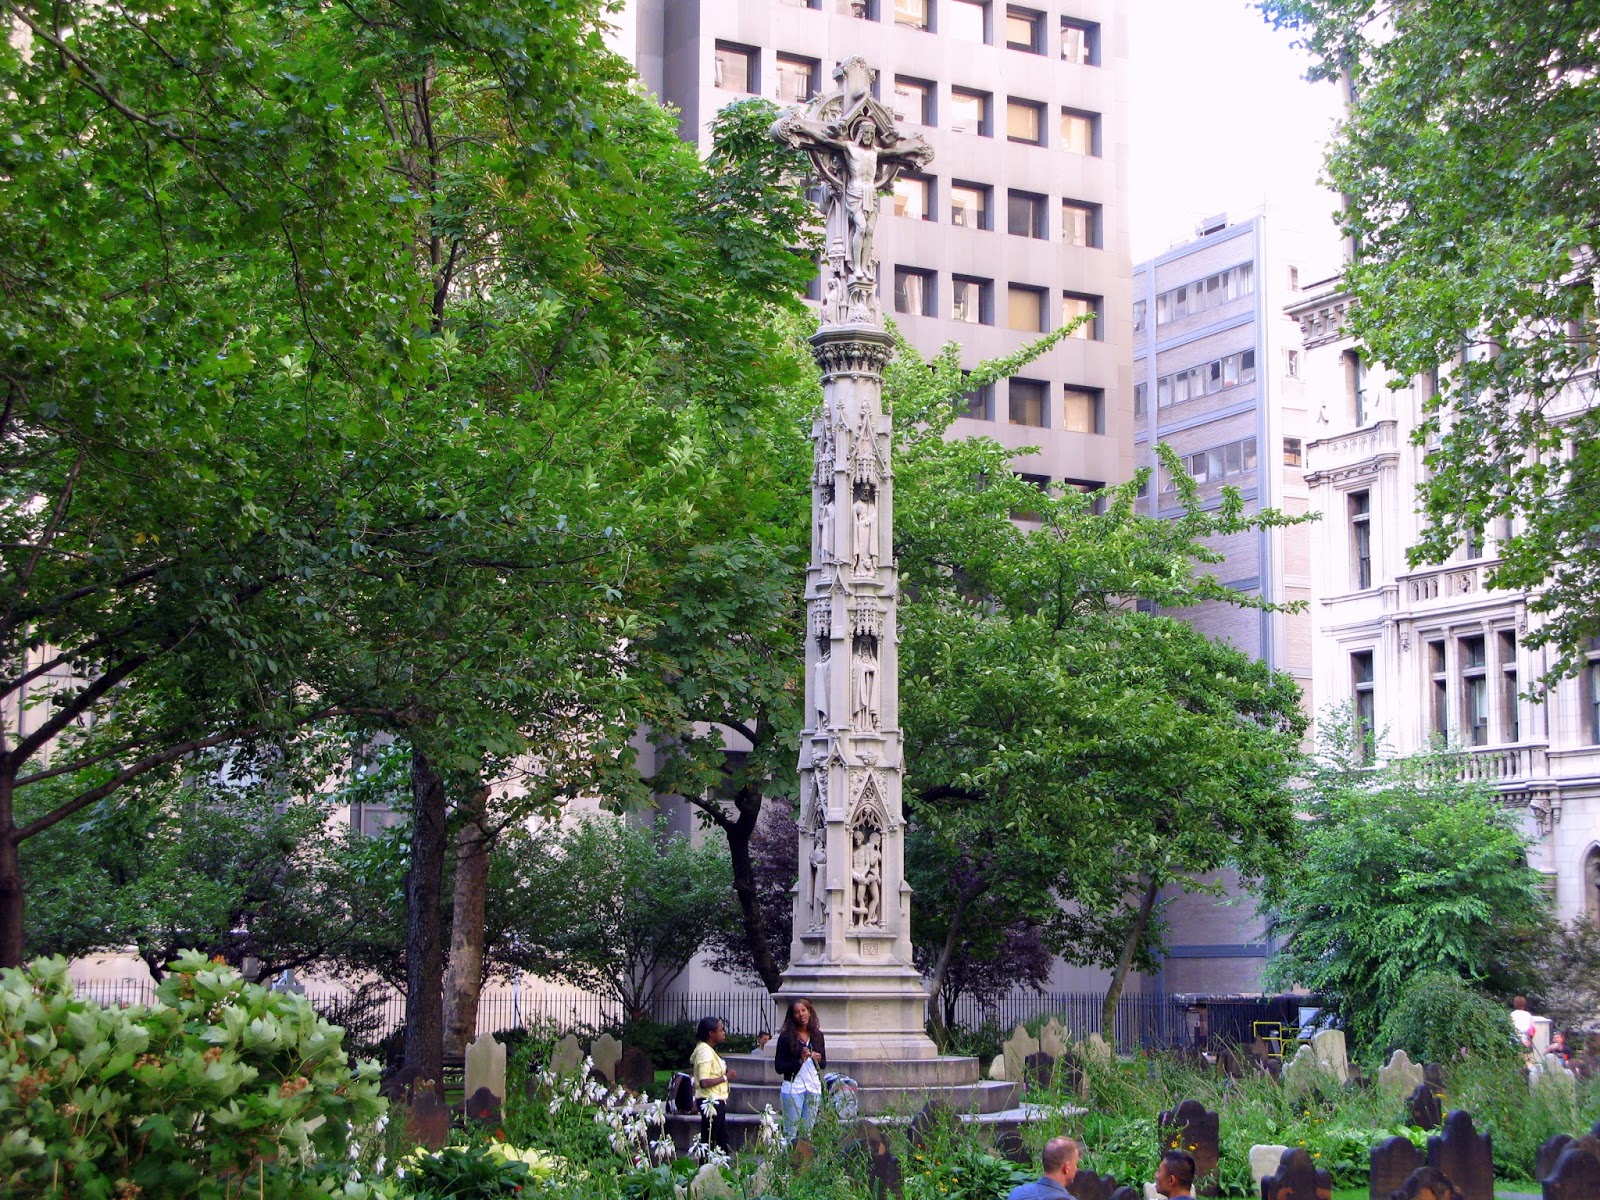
point(1075, 305)
point(798, 78)
point(1080, 224)
point(1028, 403)
point(913, 197)
point(734, 68)
point(1025, 308)
point(1025, 121)
point(1080, 42)
point(1083, 410)
point(913, 100)
point(967, 20)
point(970, 112)
point(1080, 131)
point(911, 13)
point(1025, 30)
point(969, 206)
point(913, 291)
point(972, 300)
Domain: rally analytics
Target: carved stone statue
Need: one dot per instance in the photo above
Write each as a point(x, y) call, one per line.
point(819, 699)
point(865, 690)
point(852, 142)
point(865, 542)
point(818, 863)
point(825, 552)
point(866, 874)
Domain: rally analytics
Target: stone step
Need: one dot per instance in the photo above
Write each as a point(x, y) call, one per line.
point(948, 1071)
point(986, 1096)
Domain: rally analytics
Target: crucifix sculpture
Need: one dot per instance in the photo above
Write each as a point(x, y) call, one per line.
point(856, 149)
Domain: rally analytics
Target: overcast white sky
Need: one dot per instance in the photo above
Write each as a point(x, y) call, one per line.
point(1221, 121)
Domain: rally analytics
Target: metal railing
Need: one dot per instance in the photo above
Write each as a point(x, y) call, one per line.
point(1143, 1021)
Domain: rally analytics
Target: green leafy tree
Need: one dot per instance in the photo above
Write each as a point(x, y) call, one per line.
point(1472, 192)
point(619, 908)
point(1407, 869)
point(1440, 1018)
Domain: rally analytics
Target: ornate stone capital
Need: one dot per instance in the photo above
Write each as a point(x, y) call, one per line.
point(852, 352)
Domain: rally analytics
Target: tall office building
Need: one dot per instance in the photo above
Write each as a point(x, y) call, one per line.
point(1217, 377)
point(1020, 223)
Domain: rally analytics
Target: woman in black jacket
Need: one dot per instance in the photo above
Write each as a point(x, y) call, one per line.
point(800, 1058)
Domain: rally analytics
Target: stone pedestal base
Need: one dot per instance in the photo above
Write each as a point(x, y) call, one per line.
point(865, 1013)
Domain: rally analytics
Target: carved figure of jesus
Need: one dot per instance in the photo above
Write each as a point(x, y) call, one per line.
point(825, 531)
point(865, 512)
point(860, 160)
point(864, 669)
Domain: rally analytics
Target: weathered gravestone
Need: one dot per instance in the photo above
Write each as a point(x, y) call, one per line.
point(883, 1168)
point(1016, 1049)
point(1390, 1163)
point(1086, 1185)
point(1263, 1162)
point(1427, 1183)
point(605, 1052)
point(1576, 1176)
point(1193, 1127)
point(1422, 1107)
point(1544, 1162)
point(1331, 1056)
point(1399, 1076)
point(1433, 1076)
point(1305, 1073)
point(710, 1184)
point(1009, 1145)
point(1053, 1039)
point(932, 1116)
point(1297, 1178)
point(1094, 1052)
point(428, 1120)
point(1041, 1068)
point(635, 1071)
point(1465, 1156)
point(484, 1078)
point(997, 1068)
point(567, 1057)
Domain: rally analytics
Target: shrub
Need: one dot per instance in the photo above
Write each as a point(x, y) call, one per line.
point(1440, 1019)
point(218, 1084)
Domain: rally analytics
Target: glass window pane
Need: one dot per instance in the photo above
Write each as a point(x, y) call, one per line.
point(913, 100)
point(797, 79)
point(1022, 30)
point(1077, 132)
point(1080, 410)
point(970, 111)
point(1027, 403)
point(1025, 214)
point(1025, 309)
point(734, 68)
point(969, 206)
point(1078, 42)
point(911, 198)
point(1077, 225)
point(1022, 121)
point(912, 13)
point(966, 20)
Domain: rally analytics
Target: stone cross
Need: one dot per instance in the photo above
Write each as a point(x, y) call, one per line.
point(851, 953)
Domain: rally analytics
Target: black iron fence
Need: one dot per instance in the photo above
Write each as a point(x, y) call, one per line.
point(1143, 1021)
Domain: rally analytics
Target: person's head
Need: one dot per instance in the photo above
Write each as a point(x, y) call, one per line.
point(1559, 1038)
point(710, 1031)
point(866, 132)
point(762, 1039)
point(1175, 1173)
point(801, 1016)
point(1060, 1160)
point(1519, 1003)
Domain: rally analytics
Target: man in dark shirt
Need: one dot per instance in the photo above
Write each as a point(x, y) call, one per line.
point(1060, 1163)
point(1175, 1175)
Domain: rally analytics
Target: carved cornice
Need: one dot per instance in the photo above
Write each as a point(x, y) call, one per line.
point(866, 617)
point(1321, 316)
point(847, 352)
point(1351, 472)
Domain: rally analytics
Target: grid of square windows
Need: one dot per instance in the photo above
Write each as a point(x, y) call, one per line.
point(1207, 293)
point(1219, 462)
point(1205, 379)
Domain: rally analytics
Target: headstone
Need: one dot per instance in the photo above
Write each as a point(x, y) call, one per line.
point(567, 1057)
point(1016, 1049)
point(1086, 1185)
point(1193, 1127)
point(1127, 1193)
point(1433, 1076)
point(1399, 1076)
point(1391, 1163)
point(1576, 1176)
point(933, 1115)
point(1427, 1183)
point(709, 1183)
point(997, 1068)
point(1422, 1107)
point(1465, 1156)
point(635, 1071)
point(428, 1120)
point(1041, 1068)
point(605, 1051)
point(1297, 1178)
point(1304, 1073)
point(1544, 1162)
point(1095, 1052)
point(1263, 1162)
point(483, 1106)
point(1331, 1056)
point(1010, 1146)
point(1053, 1041)
point(1587, 1142)
point(883, 1169)
point(485, 1068)
point(1228, 1060)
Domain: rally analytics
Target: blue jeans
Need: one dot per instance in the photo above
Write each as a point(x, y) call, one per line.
point(799, 1112)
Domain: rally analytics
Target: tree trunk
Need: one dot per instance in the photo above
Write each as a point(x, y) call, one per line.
point(464, 977)
point(952, 939)
point(1141, 922)
point(424, 943)
point(740, 832)
point(10, 873)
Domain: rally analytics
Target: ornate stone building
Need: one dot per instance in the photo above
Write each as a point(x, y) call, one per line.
point(1433, 652)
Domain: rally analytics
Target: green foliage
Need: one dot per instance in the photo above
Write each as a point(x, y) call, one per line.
point(1471, 188)
point(960, 1170)
point(620, 909)
point(219, 1086)
point(463, 1173)
point(1437, 1018)
point(1568, 986)
point(1408, 869)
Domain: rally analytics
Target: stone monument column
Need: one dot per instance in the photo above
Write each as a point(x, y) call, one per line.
point(851, 953)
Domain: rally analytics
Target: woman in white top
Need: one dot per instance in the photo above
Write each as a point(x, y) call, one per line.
point(711, 1077)
point(800, 1058)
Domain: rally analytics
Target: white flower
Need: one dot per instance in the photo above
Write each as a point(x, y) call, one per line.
point(381, 1124)
point(377, 1167)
